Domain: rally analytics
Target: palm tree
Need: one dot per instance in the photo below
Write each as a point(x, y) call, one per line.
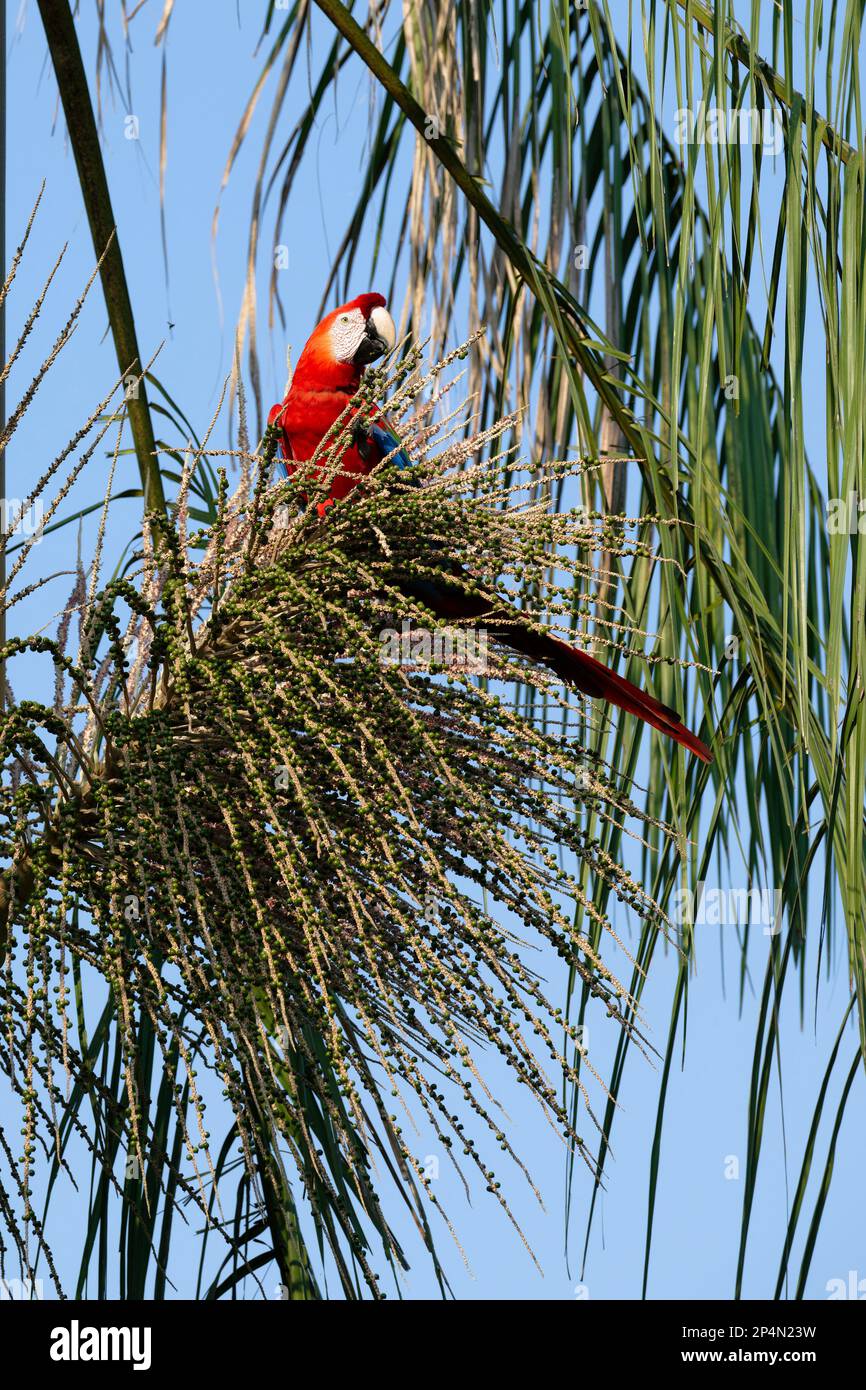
point(535, 151)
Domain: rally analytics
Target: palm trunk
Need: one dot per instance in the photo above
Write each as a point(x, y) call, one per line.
point(84, 138)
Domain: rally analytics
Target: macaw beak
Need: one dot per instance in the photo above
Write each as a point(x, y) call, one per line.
point(379, 337)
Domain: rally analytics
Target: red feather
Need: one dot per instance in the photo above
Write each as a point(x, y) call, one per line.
point(320, 391)
point(573, 666)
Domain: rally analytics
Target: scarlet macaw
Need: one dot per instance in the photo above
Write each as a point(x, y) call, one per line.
point(327, 376)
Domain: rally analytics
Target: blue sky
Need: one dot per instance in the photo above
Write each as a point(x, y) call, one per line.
point(211, 68)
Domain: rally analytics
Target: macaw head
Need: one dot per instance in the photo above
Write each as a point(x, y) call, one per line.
point(346, 341)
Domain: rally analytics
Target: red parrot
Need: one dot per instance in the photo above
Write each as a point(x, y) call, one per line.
point(327, 376)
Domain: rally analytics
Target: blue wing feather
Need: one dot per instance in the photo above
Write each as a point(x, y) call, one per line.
point(386, 444)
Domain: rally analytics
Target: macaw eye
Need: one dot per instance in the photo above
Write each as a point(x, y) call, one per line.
point(344, 318)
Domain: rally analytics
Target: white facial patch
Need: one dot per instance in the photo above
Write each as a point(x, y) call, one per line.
point(347, 331)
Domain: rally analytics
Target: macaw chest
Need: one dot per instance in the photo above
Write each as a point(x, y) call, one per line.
point(307, 418)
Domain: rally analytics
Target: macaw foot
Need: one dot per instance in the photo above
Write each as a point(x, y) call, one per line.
point(362, 441)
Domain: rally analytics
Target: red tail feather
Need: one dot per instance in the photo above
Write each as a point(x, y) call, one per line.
point(592, 678)
point(574, 667)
